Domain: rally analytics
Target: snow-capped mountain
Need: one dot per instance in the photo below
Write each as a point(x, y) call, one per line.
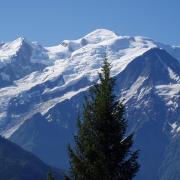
point(42, 90)
point(20, 58)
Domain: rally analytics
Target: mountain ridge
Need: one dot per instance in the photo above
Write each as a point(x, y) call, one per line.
point(147, 75)
point(19, 164)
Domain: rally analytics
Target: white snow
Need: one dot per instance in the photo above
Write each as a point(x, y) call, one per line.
point(45, 106)
point(77, 59)
point(9, 49)
point(134, 88)
point(173, 75)
point(170, 94)
point(175, 128)
point(169, 90)
point(99, 35)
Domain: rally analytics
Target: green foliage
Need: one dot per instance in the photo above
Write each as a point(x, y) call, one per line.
point(66, 178)
point(102, 149)
point(50, 176)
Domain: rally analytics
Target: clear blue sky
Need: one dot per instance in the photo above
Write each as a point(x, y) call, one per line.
point(51, 21)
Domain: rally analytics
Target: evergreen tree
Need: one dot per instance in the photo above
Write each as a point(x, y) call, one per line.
point(102, 149)
point(66, 178)
point(50, 176)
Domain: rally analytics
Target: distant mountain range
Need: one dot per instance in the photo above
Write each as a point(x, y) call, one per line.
point(42, 91)
point(18, 164)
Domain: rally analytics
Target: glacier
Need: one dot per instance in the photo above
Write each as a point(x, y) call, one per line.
point(42, 90)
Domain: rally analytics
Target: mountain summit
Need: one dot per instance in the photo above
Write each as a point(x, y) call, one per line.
point(42, 90)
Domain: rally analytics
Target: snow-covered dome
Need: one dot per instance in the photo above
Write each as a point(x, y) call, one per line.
point(100, 35)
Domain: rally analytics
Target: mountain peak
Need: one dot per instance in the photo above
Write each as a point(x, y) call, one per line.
point(9, 49)
point(102, 31)
point(21, 40)
point(100, 35)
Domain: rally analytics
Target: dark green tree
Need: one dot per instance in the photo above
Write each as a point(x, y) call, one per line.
point(102, 150)
point(50, 176)
point(66, 177)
